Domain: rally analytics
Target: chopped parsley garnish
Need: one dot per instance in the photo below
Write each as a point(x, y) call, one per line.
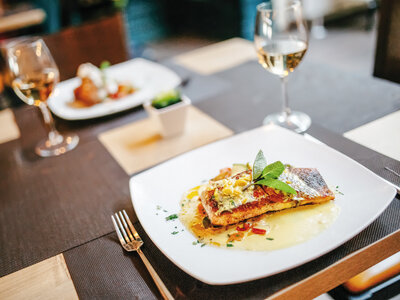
point(229, 245)
point(269, 239)
point(171, 217)
point(165, 210)
point(202, 245)
point(175, 232)
point(337, 190)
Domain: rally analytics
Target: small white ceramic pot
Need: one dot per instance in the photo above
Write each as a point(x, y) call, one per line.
point(171, 119)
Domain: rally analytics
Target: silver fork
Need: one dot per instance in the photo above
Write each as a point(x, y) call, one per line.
point(131, 241)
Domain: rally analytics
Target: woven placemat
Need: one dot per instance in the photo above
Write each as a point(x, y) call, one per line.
point(337, 100)
point(139, 145)
point(101, 269)
point(49, 205)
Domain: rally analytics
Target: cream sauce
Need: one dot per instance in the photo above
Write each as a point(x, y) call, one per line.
point(283, 229)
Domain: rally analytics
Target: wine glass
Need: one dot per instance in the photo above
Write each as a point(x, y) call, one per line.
point(35, 75)
point(281, 40)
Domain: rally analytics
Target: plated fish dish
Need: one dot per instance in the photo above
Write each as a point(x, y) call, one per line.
point(259, 207)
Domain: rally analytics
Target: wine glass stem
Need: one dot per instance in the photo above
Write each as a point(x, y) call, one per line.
point(285, 103)
point(54, 136)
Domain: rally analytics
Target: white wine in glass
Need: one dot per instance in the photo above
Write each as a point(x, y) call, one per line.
point(37, 89)
point(35, 75)
point(281, 40)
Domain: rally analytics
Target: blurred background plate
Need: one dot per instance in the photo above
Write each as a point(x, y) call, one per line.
point(148, 77)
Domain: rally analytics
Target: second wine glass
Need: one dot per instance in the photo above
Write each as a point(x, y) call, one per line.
point(35, 76)
point(281, 40)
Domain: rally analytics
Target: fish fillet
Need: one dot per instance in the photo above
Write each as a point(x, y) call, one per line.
point(226, 203)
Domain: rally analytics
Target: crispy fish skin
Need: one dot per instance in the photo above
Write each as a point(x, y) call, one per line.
point(308, 182)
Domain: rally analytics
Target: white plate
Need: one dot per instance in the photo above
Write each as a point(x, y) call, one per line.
point(150, 78)
point(365, 198)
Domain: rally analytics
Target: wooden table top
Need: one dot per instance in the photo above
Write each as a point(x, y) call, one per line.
point(80, 179)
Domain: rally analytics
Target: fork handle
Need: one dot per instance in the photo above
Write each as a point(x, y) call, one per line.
point(157, 280)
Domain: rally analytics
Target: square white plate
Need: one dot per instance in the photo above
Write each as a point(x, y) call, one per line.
point(365, 198)
point(150, 78)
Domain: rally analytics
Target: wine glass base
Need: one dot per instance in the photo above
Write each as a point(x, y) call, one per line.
point(296, 121)
point(63, 144)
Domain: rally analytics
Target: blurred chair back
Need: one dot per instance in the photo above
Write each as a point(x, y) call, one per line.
point(387, 56)
point(92, 42)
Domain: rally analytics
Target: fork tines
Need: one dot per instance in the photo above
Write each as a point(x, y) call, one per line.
point(124, 228)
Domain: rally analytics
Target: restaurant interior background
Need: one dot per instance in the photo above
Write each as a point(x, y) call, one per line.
point(343, 32)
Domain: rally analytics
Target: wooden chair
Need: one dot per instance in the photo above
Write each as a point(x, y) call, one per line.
point(387, 56)
point(92, 42)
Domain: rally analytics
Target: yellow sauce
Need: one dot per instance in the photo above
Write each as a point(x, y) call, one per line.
point(283, 229)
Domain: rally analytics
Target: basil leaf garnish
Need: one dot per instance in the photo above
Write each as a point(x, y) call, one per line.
point(277, 184)
point(273, 170)
point(268, 175)
point(259, 164)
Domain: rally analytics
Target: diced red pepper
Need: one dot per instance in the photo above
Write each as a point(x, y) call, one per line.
point(258, 231)
point(201, 209)
point(245, 227)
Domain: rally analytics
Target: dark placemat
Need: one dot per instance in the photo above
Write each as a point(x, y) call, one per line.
point(241, 108)
point(66, 201)
point(337, 100)
point(49, 205)
point(101, 269)
point(199, 87)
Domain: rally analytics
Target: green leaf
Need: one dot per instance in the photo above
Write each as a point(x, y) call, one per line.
point(104, 65)
point(273, 170)
point(277, 184)
point(259, 164)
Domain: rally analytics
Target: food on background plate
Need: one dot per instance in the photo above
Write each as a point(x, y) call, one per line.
point(254, 208)
point(96, 87)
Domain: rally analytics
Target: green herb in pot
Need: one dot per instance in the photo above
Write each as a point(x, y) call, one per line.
point(165, 99)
